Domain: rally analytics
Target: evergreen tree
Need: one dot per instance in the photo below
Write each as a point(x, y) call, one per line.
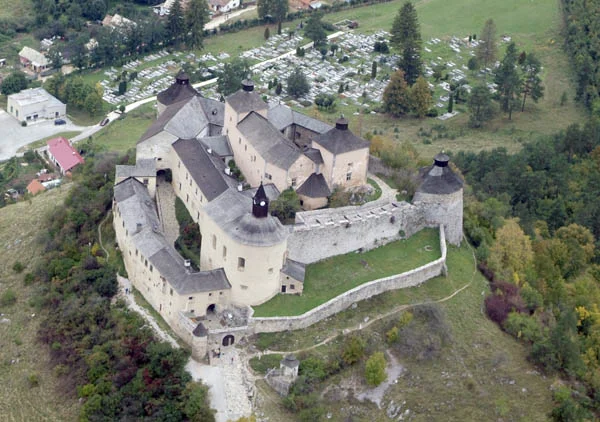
point(532, 83)
point(396, 96)
point(297, 84)
point(420, 97)
point(375, 369)
point(487, 49)
point(196, 16)
point(267, 33)
point(480, 105)
point(508, 81)
point(175, 23)
point(451, 103)
point(230, 79)
point(374, 70)
point(406, 38)
point(314, 29)
point(273, 10)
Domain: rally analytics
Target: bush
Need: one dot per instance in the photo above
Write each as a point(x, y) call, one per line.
point(8, 298)
point(353, 350)
point(375, 369)
point(18, 267)
point(33, 380)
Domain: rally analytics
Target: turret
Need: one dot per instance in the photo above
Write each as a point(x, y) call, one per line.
point(260, 203)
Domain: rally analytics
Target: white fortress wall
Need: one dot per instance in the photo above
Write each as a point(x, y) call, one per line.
point(365, 291)
point(321, 234)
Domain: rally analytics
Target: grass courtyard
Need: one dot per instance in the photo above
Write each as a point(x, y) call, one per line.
point(331, 277)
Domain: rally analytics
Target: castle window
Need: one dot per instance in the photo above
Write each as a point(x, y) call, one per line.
point(196, 191)
point(224, 252)
point(190, 181)
point(191, 298)
point(268, 176)
point(348, 176)
point(240, 141)
point(179, 185)
point(245, 147)
point(210, 294)
point(350, 164)
point(220, 293)
point(179, 165)
point(146, 263)
point(241, 264)
point(214, 242)
point(243, 287)
point(187, 197)
point(270, 270)
point(151, 268)
point(136, 252)
point(292, 287)
point(146, 182)
point(294, 181)
point(171, 291)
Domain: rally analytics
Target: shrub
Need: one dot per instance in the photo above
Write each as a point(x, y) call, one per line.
point(353, 350)
point(33, 380)
point(18, 267)
point(392, 335)
point(9, 297)
point(375, 369)
point(29, 277)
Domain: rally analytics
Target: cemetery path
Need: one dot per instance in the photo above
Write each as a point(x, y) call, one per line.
point(224, 18)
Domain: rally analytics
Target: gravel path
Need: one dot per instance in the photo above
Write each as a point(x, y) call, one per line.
point(165, 200)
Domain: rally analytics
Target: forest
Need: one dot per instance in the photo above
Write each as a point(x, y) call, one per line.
point(101, 353)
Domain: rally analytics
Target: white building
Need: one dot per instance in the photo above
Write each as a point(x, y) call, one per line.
point(34, 104)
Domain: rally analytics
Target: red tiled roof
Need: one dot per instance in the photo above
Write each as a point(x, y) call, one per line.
point(62, 151)
point(35, 187)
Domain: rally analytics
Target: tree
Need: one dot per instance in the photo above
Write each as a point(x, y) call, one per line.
point(406, 38)
point(511, 254)
point(325, 101)
point(508, 81)
point(93, 103)
point(196, 17)
point(55, 57)
point(275, 10)
point(314, 29)
point(420, 97)
point(375, 369)
point(297, 84)
point(396, 95)
point(451, 102)
point(487, 49)
point(480, 106)
point(286, 206)
point(374, 70)
point(267, 33)
point(353, 350)
point(230, 79)
point(175, 23)
point(13, 83)
point(532, 83)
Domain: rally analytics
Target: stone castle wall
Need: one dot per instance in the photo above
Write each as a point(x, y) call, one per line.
point(443, 209)
point(365, 291)
point(321, 234)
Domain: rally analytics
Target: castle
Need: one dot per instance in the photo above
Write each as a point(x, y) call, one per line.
point(247, 256)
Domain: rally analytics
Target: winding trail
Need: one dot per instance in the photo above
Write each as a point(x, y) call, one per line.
point(100, 234)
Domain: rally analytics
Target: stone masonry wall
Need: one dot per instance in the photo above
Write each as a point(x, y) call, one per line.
point(325, 233)
point(362, 292)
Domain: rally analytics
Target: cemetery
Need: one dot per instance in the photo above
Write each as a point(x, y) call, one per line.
point(342, 70)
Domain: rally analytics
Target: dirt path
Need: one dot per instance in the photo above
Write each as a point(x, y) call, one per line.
point(362, 326)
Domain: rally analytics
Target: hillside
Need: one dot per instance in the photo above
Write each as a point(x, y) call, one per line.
point(27, 390)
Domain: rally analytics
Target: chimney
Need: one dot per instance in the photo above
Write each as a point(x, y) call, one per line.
point(248, 85)
point(441, 160)
point(138, 227)
point(341, 123)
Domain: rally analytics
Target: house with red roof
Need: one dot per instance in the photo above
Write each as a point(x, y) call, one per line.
point(63, 155)
point(35, 187)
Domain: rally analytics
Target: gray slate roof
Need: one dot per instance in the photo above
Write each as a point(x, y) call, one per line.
point(281, 116)
point(185, 119)
point(270, 190)
point(144, 167)
point(314, 187)
point(178, 91)
point(232, 211)
point(246, 101)
point(439, 180)
point(339, 141)
point(201, 168)
point(290, 361)
point(136, 206)
point(294, 269)
point(314, 155)
point(213, 110)
point(275, 148)
point(218, 144)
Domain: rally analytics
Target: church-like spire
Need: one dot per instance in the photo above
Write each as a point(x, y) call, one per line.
point(260, 203)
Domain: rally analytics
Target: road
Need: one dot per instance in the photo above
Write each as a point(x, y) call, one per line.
point(224, 18)
point(19, 137)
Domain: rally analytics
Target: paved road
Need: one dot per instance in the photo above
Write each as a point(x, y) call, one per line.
point(224, 18)
point(13, 136)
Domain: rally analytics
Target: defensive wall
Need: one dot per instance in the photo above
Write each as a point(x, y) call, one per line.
point(365, 291)
point(321, 234)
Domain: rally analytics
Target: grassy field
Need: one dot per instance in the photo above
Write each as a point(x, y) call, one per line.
point(332, 277)
point(20, 400)
point(482, 374)
point(124, 133)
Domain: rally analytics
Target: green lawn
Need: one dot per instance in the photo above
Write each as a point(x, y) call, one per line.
point(123, 134)
point(334, 276)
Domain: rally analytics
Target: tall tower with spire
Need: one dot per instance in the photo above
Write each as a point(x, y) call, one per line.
point(260, 203)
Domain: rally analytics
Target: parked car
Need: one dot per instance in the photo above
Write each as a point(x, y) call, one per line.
point(104, 122)
point(59, 122)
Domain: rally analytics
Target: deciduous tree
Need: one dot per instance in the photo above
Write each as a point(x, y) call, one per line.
point(375, 369)
point(230, 79)
point(511, 254)
point(314, 29)
point(480, 106)
point(487, 48)
point(297, 84)
point(420, 96)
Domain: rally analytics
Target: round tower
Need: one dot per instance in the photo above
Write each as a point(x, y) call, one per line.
point(440, 198)
point(180, 90)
